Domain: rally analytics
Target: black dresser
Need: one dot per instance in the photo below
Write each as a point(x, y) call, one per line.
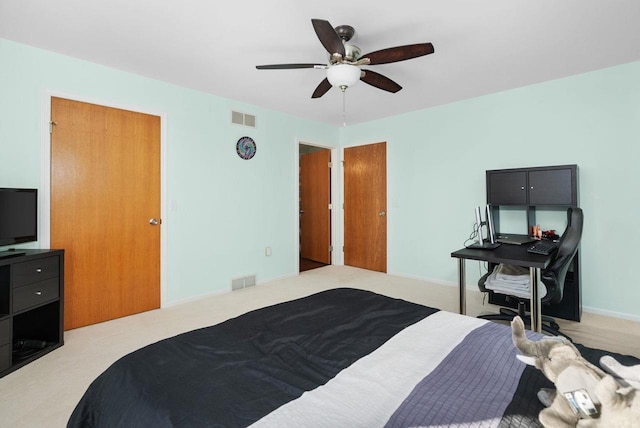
point(31, 306)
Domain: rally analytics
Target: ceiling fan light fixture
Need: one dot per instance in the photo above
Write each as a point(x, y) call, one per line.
point(343, 76)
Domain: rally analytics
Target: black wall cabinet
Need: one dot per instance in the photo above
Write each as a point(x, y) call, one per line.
point(541, 186)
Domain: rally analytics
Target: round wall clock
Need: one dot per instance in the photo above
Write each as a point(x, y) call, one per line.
point(246, 147)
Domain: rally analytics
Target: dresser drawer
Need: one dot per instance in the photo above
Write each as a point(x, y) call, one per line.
point(35, 270)
point(36, 294)
point(5, 332)
point(5, 357)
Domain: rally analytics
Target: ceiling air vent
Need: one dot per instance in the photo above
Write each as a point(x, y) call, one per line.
point(243, 119)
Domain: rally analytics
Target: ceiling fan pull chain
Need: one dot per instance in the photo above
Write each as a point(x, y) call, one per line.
point(344, 108)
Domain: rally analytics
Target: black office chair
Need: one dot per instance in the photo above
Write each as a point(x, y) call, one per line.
point(553, 277)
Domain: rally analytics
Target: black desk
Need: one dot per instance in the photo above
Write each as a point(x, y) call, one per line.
point(509, 254)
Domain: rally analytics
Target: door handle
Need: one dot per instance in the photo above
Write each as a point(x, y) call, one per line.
point(382, 213)
point(154, 221)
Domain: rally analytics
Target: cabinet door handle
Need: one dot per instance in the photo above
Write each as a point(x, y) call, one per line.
point(39, 270)
point(38, 293)
point(522, 188)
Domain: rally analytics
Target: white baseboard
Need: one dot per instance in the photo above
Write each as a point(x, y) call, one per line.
point(194, 298)
point(611, 314)
point(429, 280)
point(591, 310)
point(219, 292)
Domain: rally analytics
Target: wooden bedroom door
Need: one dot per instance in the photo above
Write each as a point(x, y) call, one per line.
point(365, 206)
point(105, 191)
point(315, 215)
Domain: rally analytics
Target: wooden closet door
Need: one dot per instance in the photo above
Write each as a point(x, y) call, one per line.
point(365, 207)
point(105, 189)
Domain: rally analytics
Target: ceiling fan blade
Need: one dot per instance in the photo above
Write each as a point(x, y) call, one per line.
point(380, 81)
point(322, 88)
point(289, 66)
point(328, 37)
point(399, 53)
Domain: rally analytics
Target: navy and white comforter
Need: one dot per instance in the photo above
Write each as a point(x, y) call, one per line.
point(340, 358)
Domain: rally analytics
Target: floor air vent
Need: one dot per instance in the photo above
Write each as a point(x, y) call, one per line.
point(244, 282)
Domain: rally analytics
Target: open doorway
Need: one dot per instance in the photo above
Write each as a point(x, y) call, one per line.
point(315, 207)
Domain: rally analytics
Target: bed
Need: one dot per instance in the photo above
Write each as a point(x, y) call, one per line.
point(339, 358)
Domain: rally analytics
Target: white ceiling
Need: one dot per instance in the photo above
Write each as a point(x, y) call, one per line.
point(481, 47)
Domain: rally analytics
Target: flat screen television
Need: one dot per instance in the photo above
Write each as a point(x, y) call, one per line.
point(18, 216)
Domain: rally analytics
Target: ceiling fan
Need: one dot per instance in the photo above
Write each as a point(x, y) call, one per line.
point(345, 60)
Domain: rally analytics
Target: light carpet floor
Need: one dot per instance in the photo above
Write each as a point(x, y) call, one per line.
point(45, 392)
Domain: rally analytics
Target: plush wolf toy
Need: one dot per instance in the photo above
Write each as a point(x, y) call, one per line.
point(585, 395)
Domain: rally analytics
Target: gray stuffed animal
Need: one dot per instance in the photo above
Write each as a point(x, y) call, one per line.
point(585, 395)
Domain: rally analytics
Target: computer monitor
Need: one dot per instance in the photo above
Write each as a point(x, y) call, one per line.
point(491, 230)
point(490, 242)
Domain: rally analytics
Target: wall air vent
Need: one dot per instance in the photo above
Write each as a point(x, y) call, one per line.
point(237, 118)
point(244, 119)
point(249, 120)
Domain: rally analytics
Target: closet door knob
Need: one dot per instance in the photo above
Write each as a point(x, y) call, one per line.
point(154, 221)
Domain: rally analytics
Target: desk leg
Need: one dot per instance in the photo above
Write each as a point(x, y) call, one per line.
point(461, 286)
point(536, 311)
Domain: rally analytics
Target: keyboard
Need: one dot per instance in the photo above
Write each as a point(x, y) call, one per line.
point(543, 247)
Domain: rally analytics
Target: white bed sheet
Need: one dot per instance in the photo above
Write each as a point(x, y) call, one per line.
point(368, 392)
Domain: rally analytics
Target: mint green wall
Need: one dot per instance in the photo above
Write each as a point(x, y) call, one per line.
point(222, 211)
point(437, 158)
